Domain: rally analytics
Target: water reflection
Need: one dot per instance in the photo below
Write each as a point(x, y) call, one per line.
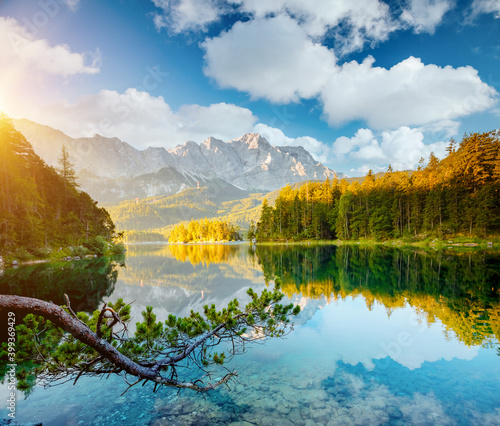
point(386, 336)
point(86, 282)
point(460, 290)
point(205, 255)
point(180, 278)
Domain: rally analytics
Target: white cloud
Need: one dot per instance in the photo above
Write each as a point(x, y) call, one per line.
point(274, 57)
point(365, 21)
point(144, 120)
point(319, 150)
point(446, 129)
point(278, 55)
point(222, 121)
point(343, 145)
point(186, 15)
point(260, 8)
point(486, 6)
point(426, 15)
point(402, 148)
point(21, 52)
point(409, 93)
point(269, 58)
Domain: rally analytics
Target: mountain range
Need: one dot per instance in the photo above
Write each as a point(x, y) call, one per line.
point(111, 170)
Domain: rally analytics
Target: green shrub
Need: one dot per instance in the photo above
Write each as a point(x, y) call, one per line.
point(97, 245)
point(61, 253)
point(80, 251)
point(40, 253)
point(23, 255)
point(118, 248)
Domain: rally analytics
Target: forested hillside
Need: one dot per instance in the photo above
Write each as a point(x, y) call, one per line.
point(39, 207)
point(152, 219)
point(457, 195)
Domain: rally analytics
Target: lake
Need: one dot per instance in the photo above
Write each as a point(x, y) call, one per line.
point(385, 336)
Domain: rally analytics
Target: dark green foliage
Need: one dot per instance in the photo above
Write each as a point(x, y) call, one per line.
point(118, 249)
point(457, 195)
point(86, 282)
point(67, 168)
point(97, 245)
point(251, 233)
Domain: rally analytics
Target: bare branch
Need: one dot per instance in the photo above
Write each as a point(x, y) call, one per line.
point(131, 385)
point(86, 368)
point(68, 305)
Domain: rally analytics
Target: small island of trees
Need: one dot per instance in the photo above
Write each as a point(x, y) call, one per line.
point(205, 231)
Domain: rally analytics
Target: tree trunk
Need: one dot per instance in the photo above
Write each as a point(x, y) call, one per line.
point(54, 313)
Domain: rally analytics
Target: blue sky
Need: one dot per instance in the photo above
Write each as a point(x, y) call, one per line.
point(359, 83)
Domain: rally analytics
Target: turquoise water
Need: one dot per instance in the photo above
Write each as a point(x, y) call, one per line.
point(413, 350)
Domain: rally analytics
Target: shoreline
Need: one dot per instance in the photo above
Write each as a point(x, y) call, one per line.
point(12, 262)
point(16, 263)
point(204, 243)
point(459, 243)
point(450, 243)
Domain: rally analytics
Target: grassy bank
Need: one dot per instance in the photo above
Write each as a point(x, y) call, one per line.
point(95, 248)
point(456, 243)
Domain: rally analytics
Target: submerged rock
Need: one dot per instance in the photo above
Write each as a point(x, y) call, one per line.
point(120, 400)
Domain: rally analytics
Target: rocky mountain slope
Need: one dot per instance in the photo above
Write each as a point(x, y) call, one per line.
point(112, 170)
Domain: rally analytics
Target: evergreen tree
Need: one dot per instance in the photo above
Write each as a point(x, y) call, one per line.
point(251, 231)
point(265, 227)
point(66, 167)
point(54, 343)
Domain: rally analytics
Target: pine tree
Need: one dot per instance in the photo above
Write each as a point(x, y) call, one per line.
point(251, 231)
point(265, 227)
point(66, 167)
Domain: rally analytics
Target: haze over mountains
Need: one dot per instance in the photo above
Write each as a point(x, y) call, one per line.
point(111, 170)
